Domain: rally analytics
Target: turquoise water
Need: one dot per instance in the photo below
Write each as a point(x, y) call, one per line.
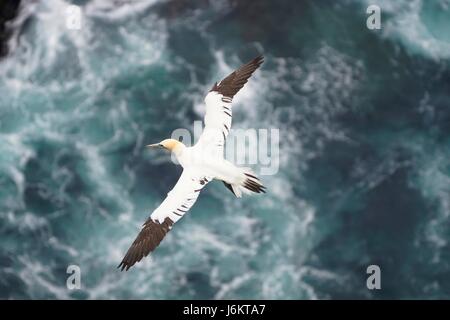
point(364, 119)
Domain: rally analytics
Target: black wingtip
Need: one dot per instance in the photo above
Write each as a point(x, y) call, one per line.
point(259, 60)
point(147, 240)
point(124, 266)
point(214, 87)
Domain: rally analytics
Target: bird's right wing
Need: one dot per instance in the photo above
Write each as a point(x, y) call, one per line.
point(219, 106)
point(178, 201)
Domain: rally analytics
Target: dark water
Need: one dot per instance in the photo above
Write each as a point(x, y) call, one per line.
point(364, 119)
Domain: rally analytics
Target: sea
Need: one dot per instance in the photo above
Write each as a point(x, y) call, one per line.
point(363, 158)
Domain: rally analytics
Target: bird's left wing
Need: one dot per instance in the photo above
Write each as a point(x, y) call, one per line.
point(219, 106)
point(178, 201)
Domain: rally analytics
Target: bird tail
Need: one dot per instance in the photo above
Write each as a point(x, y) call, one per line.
point(248, 183)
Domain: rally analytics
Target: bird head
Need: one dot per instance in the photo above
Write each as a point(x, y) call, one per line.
point(169, 144)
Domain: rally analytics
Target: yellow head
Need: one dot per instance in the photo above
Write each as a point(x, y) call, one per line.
point(169, 144)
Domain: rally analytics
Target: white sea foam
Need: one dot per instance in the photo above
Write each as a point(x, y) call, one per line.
point(226, 288)
point(407, 25)
point(37, 279)
point(434, 184)
point(118, 11)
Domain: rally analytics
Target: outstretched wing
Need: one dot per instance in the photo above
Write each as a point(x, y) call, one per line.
point(178, 201)
point(229, 86)
point(219, 106)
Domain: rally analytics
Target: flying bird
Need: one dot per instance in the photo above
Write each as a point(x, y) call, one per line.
point(201, 164)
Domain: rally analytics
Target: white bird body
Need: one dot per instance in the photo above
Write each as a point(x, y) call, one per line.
point(201, 164)
point(209, 166)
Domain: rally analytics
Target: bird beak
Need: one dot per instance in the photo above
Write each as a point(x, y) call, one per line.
point(155, 145)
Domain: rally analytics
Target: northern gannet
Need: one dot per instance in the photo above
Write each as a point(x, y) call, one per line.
point(201, 164)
